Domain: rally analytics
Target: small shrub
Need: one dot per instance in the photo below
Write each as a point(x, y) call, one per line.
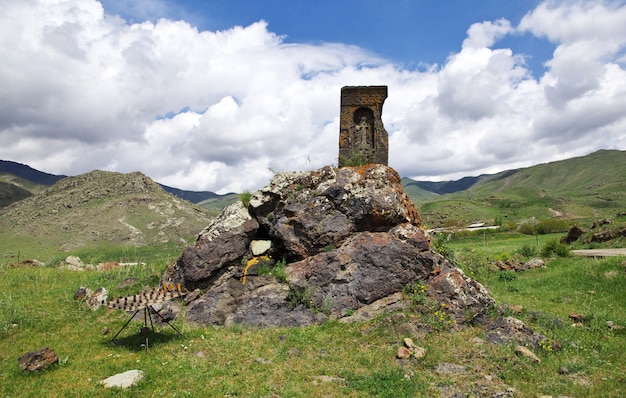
point(473, 264)
point(503, 256)
point(554, 248)
point(439, 245)
point(264, 267)
point(328, 248)
point(356, 159)
point(327, 304)
point(416, 292)
point(527, 229)
point(245, 198)
point(527, 251)
point(441, 320)
point(507, 276)
point(551, 226)
point(298, 296)
point(279, 271)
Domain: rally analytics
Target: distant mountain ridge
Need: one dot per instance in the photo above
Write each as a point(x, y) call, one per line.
point(191, 196)
point(443, 187)
point(584, 188)
point(10, 194)
point(553, 175)
point(28, 173)
point(602, 161)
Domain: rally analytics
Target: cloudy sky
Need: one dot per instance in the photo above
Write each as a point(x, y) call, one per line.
point(219, 94)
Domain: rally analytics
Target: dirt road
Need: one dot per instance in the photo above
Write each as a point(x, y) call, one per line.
point(600, 252)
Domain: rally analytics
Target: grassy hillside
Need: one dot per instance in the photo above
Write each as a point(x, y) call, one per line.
point(103, 216)
point(583, 188)
point(10, 193)
point(98, 210)
point(35, 181)
point(215, 205)
point(14, 188)
point(332, 359)
point(416, 192)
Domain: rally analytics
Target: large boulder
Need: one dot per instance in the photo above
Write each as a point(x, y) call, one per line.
point(335, 241)
point(309, 212)
point(366, 268)
point(572, 236)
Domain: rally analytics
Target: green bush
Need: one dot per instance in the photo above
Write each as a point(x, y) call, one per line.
point(527, 229)
point(439, 245)
point(527, 251)
point(544, 227)
point(551, 226)
point(245, 198)
point(279, 271)
point(298, 296)
point(554, 248)
point(357, 159)
point(416, 292)
point(507, 276)
point(503, 256)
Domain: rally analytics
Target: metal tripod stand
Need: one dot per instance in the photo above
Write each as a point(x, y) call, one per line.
point(147, 311)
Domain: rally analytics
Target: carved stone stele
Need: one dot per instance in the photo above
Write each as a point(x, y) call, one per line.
point(362, 136)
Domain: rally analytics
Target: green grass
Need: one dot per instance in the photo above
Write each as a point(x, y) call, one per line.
point(589, 287)
point(38, 310)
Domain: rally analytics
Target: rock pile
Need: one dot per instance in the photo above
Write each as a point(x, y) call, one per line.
point(313, 245)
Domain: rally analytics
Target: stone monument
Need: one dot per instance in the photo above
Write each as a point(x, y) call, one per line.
point(362, 136)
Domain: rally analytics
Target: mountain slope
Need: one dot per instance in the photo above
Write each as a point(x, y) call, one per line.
point(586, 187)
point(604, 170)
point(191, 196)
point(35, 181)
point(100, 208)
point(10, 193)
point(417, 192)
point(600, 172)
point(443, 187)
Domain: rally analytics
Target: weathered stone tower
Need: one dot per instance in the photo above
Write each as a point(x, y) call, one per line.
point(362, 136)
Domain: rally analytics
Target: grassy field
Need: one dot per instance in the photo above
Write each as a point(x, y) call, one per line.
point(335, 359)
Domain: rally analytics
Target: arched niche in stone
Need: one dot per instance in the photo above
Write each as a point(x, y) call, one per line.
point(362, 136)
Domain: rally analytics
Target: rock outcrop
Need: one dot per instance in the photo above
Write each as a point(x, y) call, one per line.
point(340, 240)
point(38, 360)
point(572, 236)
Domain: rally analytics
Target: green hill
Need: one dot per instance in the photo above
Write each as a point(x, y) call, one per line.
point(582, 188)
point(96, 210)
point(35, 181)
point(10, 193)
point(218, 203)
point(14, 188)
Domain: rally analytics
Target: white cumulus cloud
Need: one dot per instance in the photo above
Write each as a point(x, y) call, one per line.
point(222, 110)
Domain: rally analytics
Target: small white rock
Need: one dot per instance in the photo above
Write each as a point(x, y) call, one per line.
point(123, 380)
point(260, 247)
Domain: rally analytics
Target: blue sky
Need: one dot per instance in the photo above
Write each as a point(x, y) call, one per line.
point(412, 33)
point(217, 95)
